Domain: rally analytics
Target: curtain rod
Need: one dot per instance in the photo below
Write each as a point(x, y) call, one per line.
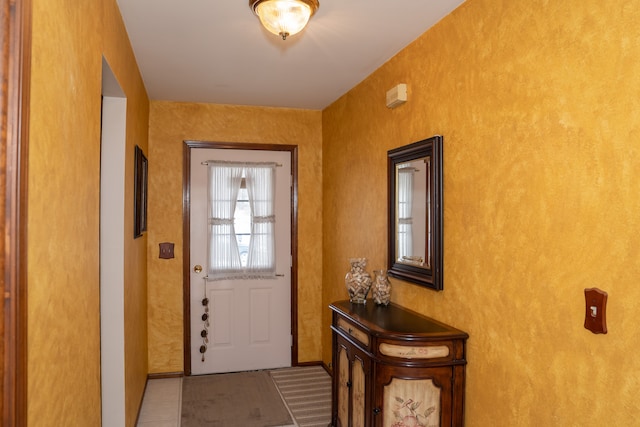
point(207, 162)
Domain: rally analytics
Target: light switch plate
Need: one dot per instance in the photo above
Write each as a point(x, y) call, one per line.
point(166, 250)
point(595, 315)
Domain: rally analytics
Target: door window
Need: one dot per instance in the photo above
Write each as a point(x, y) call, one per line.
point(241, 220)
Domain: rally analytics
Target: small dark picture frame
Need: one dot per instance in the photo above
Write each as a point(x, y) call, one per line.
point(140, 193)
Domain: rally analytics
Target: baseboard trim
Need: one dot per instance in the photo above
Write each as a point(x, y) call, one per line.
point(317, 363)
point(161, 375)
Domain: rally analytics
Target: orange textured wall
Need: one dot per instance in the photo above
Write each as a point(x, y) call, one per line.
point(537, 102)
point(69, 39)
point(170, 124)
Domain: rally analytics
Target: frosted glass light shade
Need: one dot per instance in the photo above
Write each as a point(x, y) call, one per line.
point(284, 17)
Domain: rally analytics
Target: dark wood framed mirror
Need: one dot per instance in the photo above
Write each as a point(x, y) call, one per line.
point(415, 212)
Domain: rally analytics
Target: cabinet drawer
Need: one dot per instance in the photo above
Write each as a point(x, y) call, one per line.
point(353, 331)
point(414, 352)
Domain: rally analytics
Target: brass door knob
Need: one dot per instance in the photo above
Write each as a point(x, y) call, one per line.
point(197, 268)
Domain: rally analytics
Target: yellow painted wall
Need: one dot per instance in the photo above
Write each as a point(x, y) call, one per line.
point(538, 105)
point(69, 39)
point(172, 123)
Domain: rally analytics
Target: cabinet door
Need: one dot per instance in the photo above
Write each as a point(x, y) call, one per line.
point(416, 397)
point(342, 372)
point(358, 391)
point(353, 385)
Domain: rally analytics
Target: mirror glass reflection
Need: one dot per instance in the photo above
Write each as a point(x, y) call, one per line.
point(412, 210)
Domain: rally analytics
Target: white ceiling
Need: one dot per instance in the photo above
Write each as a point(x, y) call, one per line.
point(216, 51)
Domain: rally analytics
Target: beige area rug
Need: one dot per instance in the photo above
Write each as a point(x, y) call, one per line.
point(307, 393)
point(247, 399)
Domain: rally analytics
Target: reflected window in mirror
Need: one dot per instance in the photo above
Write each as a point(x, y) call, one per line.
point(415, 212)
point(413, 203)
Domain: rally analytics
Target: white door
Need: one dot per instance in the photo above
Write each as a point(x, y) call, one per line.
point(249, 321)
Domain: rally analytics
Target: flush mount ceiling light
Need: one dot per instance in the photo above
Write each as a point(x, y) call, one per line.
point(284, 18)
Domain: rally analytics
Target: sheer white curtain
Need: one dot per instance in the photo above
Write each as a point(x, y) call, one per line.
point(261, 188)
point(224, 184)
point(405, 205)
point(225, 179)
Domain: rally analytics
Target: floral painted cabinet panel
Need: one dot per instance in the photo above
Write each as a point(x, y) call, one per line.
point(407, 411)
point(393, 367)
point(424, 401)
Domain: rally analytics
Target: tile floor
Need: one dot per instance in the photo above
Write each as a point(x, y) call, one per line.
point(161, 403)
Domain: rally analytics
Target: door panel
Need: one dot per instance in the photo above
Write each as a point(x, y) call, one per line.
point(343, 387)
point(249, 320)
point(259, 316)
point(358, 384)
point(220, 324)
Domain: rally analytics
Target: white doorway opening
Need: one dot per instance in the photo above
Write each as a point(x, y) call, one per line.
point(112, 173)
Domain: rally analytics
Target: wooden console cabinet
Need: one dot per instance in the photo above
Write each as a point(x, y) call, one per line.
point(393, 367)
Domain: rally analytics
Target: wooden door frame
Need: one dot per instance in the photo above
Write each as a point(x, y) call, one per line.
point(186, 236)
point(15, 76)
